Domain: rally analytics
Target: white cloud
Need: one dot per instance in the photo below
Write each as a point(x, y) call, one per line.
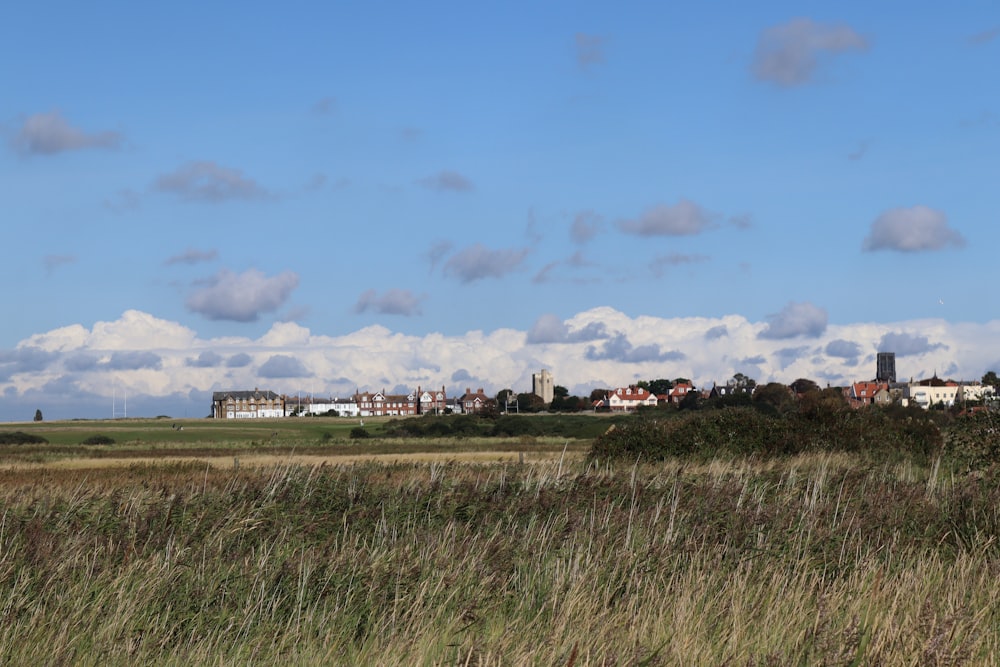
point(170, 369)
point(788, 54)
point(684, 218)
point(478, 262)
point(241, 297)
point(206, 181)
point(907, 344)
point(550, 329)
point(913, 229)
point(392, 302)
point(50, 133)
point(844, 349)
point(796, 319)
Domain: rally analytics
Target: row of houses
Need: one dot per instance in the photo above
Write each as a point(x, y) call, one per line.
point(931, 392)
point(927, 393)
point(259, 404)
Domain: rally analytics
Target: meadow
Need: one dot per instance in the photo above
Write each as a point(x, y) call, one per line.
point(555, 557)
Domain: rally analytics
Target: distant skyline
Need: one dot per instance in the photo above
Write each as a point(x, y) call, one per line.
point(323, 198)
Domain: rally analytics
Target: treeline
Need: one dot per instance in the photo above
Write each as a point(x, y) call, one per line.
point(493, 426)
point(777, 423)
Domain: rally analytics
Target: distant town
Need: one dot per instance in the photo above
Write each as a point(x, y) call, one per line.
point(545, 395)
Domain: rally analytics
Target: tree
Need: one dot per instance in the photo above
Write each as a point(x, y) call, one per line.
point(742, 381)
point(991, 379)
point(529, 402)
point(773, 397)
point(559, 391)
point(598, 394)
point(507, 400)
point(659, 386)
point(804, 386)
point(691, 400)
point(38, 415)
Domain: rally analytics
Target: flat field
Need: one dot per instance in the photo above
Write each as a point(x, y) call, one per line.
point(536, 556)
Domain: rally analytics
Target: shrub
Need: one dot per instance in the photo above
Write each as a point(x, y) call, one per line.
point(359, 432)
point(21, 438)
point(98, 440)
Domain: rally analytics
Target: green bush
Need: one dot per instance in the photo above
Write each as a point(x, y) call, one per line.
point(21, 438)
point(98, 440)
point(767, 433)
point(359, 432)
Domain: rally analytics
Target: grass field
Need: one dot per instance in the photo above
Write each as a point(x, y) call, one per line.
point(544, 557)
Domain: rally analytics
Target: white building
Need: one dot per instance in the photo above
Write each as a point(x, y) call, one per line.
point(625, 399)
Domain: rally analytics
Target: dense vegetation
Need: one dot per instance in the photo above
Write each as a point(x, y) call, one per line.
point(812, 560)
point(502, 426)
point(21, 438)
point(814, 424)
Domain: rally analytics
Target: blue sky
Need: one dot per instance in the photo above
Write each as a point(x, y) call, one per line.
point(600, 189)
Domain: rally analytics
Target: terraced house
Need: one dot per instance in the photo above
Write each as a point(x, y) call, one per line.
point(254, 404)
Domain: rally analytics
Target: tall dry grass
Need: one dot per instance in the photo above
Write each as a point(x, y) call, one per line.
point(811, 560)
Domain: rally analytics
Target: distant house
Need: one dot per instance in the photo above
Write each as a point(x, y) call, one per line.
point(431, 402)
point(626, 399)
point(730, 389)
point(473, 402)
point(380, 404)
point(868, 393)
point(254, 404)
point(679, 391)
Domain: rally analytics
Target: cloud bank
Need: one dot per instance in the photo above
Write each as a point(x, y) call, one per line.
point(72, 371)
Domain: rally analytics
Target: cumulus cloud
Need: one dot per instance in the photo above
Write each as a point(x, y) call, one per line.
point(586, 225)
point(50, 133)
point(787, 356)
point(796, 319)
point(72, 371)
point(906, 344)
point(24, 360)
point(618, 348)
point(589, 50)
point(239, 360)
point(130, 360)
point(206, 181)
point(789, 54)
point(192, 256)
point(716, 332)
point(241, 297)
point(913, 229)
point(447, 181)
point(684, 218)
point(283, 366)
point(478, 262)
point(844, 349)
point(206, 360)
point(392, 302)
point(550, 329)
